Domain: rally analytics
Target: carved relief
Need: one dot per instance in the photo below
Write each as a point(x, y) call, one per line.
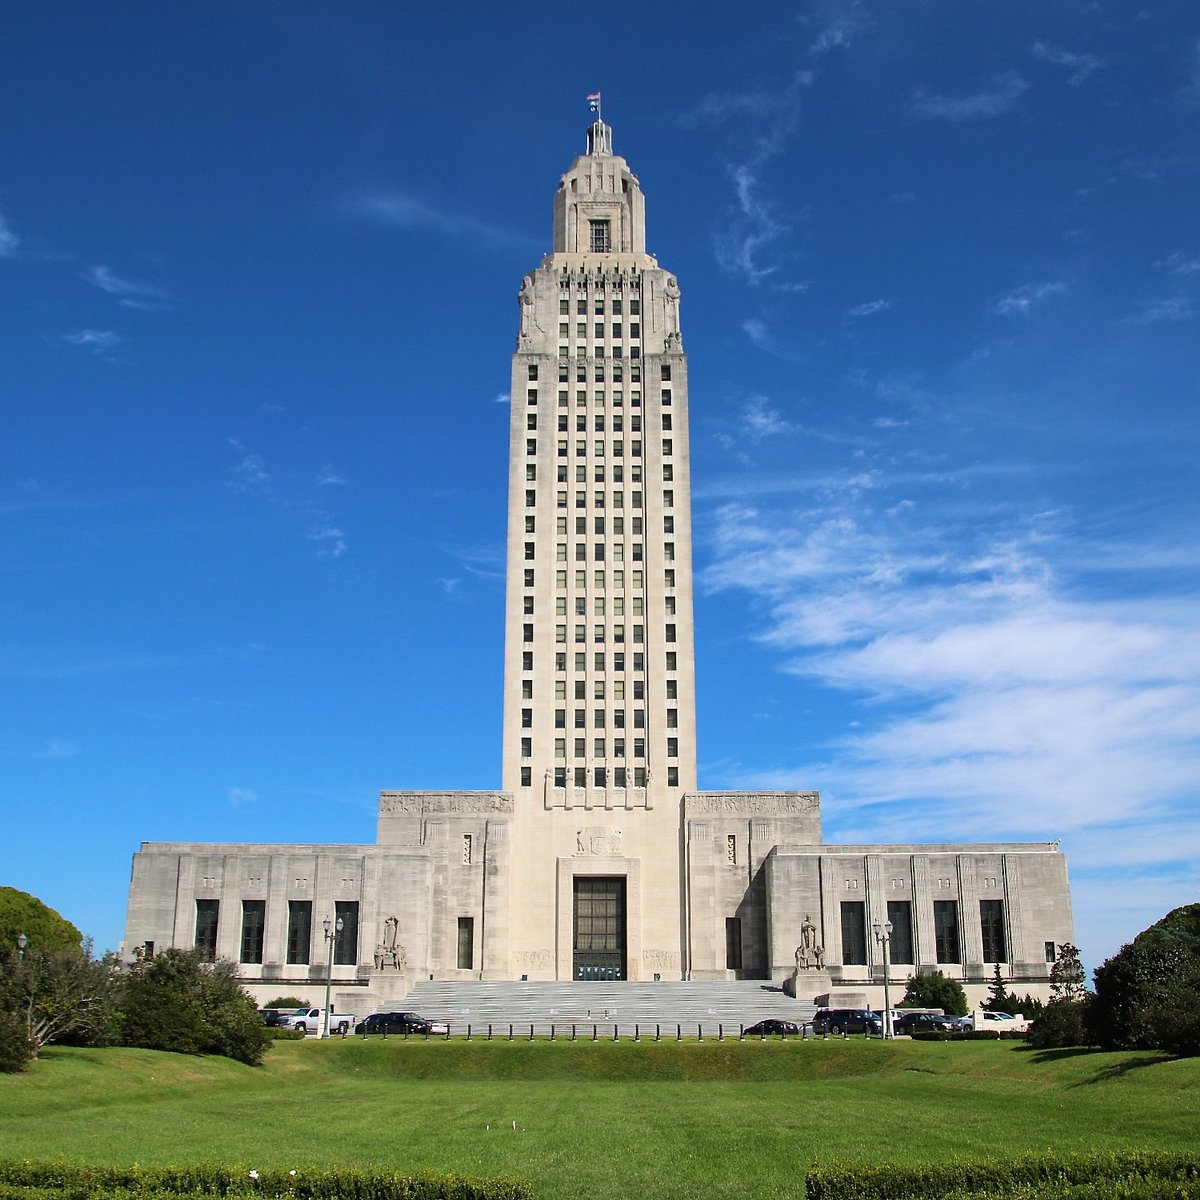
point(534, 958)
point(395, 804)
point(597, 839)
point(753, 803)
point(661, 960)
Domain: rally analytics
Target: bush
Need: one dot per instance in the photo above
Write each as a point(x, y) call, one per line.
point(1062, 1023)
point(15, 1050)
point(1041, 1175)
point(65, 1181)
point(178, 1001)
point(932, 989)
point(287, 1002)
point(281, 1033)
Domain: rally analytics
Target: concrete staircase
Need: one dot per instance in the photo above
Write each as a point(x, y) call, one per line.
point(707, 1008)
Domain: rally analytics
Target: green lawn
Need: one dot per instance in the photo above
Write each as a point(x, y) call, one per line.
point(598, 1119)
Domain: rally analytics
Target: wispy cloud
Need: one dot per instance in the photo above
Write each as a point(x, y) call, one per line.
point(1023, 299)
point(1179, 263)
point(1079, 64)
point(761, 420)
point(129, 292)
point(501, 398)
point(8, 239)
point(1173, 308)
point(96, 340)
point(249, 473)
point(239, 796)
point(331, 541)
point(397, 209)
point(870, 308)
point(328, 477)
point(1003, 92)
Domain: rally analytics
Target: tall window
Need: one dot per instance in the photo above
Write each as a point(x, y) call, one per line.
point(601, 241)
point(899, 912)
point(345, 945)
point(991, 923)
point(466, 943)
point(254, 918)
point(207, 913)
point(854, 933)
point(945, 931)
point(299, 937)
point(733, 943)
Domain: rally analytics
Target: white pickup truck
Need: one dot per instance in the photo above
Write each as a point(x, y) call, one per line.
point(997, 1022)
point(311, 1020)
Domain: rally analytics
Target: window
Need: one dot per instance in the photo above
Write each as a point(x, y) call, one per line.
point(668, 472)
point(733, 943)
point(526, 747)
point(529, 577)
point(527, 632)
point(619, 774)
point(254, 917)
point(1051, 952)
point(531, 421)
point(672, 717)
point(207, 912)
point(600, 235)
point(854, 933)
point(467, 849)
point(666, 420)
point(527, 713)
point(466, 943)
point(666, 371)
point(528, 551)
point(560, 743)
point(560, 718)
point(345, 943)
point(991, 924)
point(639, 747)
point(670, 634)
point(526, 776)
point(899, 912)
point(672, 747)
point(672, 692)
point(531, 446)
point(667, 448)
point(299, 934)
point(533, 372)
point(945, 931)
point(671, 660)
point(560, 777)
point(672, 777)
point(581, 776)
point(526, 660)
point(526, 689)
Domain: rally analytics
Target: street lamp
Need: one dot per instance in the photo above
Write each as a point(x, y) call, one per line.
point(883, 935)
point(22, 942)
point(331, 932)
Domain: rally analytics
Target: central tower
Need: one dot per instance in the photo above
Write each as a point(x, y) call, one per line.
point(599, 682)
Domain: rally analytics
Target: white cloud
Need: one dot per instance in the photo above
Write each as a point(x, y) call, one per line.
point(1174, 308)
point(331, 541)
point(328, 477)
point(1179, 263)
point(1004, 92)
point(98, 340)
point(502, 398)
point(1020, 300)
point(128, 292)
point(8, 239)
point(401, 210)
point(249, 473)
point(240, 795)
point(1080, 64)
point(760, 420)
point(870, 308)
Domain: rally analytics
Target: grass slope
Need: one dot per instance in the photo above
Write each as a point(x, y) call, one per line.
point(598, 1119)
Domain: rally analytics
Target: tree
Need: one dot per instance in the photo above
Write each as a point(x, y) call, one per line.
point(1000, 999)
point(15, 1050)
point(57, 994)
point(932, 989)
point(1145, 994)
point(287, 1002)
point(1067, 978)
point(46, 930)
point(180, 1001)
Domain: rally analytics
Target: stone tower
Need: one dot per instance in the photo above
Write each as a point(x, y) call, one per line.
point(599, 682)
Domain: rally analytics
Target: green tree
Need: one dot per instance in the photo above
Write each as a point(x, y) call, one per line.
point(287, 1002)
point(15, 1050)
point(1145, 997)
point(1061, 1023)
point(932, 989)
point(1067, 978)
point(58, 994)
point(44, 929)
point(179, 1001)
point(1000, 999)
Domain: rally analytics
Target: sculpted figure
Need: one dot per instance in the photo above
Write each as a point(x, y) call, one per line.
point(809, 955)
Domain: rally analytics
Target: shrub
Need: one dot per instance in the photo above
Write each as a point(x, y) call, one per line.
point(287, 1002)
point(15, 1050)
point(932, 989)
point(1062, 1023)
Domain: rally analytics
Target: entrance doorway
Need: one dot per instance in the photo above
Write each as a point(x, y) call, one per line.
point(599, 927)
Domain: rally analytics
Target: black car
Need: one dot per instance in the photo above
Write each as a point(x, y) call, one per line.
point(912, 1023)
point(271, 1016)
point(398, 1022)
point(847, 1020)
point(772, 1025)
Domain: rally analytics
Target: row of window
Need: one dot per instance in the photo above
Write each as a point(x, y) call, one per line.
point(638, 660)
point(599, 368)
point(562, 447)
point(601, 633)
point(599, 331)
point(600, 397)
point(616, 306)
point(601, 746)
point(601, 605)
point(617, 576)
point(599, 527)
point(601, 777)
point(616, 425)
point(300, 931)
point(600, 470)
point(946, 932)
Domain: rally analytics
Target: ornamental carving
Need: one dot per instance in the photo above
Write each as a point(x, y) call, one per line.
point(662, 960)
point(534, 958)
point(395, 804)
point(768, 804)
point(388, 951)
point(597, 839)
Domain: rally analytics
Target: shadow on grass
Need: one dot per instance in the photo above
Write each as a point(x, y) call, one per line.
point(1110, 1071)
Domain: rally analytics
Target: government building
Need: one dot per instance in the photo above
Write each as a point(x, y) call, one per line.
point(598, 857)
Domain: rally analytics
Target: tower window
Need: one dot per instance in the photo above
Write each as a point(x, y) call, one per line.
point(601, 237)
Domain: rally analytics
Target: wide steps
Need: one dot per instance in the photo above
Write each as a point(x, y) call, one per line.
point(689, 1008)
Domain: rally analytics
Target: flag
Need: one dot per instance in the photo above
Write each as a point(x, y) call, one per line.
point(594, 101)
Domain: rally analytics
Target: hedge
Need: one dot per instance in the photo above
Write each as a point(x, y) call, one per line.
point(1131, 1175)
point(28, 1180)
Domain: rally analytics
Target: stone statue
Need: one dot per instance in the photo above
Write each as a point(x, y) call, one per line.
point(809, 954)
point(389, 952)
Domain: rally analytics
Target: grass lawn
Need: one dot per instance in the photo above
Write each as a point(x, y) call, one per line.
point(599, 1119)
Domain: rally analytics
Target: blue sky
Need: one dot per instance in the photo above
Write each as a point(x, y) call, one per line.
point(941, 283)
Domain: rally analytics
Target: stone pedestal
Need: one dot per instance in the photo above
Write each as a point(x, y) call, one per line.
point(807, 985)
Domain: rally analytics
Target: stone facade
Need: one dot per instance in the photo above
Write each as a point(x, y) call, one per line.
point(599, 857)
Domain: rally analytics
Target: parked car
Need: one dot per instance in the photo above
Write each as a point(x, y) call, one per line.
point(847, 1020)
point(270, 1016)
point(923, 1022)
point(400, 1022)
point(999, 1021)
point(962, 1024)
point(309, 1020)
point(773, 1025)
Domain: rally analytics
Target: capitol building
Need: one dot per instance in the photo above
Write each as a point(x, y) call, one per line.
point(598, 857)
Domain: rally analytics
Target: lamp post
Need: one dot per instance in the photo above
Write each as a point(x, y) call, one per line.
point(883, 935)
point(331, 932)
point(22, 942)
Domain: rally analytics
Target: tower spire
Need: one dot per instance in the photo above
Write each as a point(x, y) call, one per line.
point(599, 139)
